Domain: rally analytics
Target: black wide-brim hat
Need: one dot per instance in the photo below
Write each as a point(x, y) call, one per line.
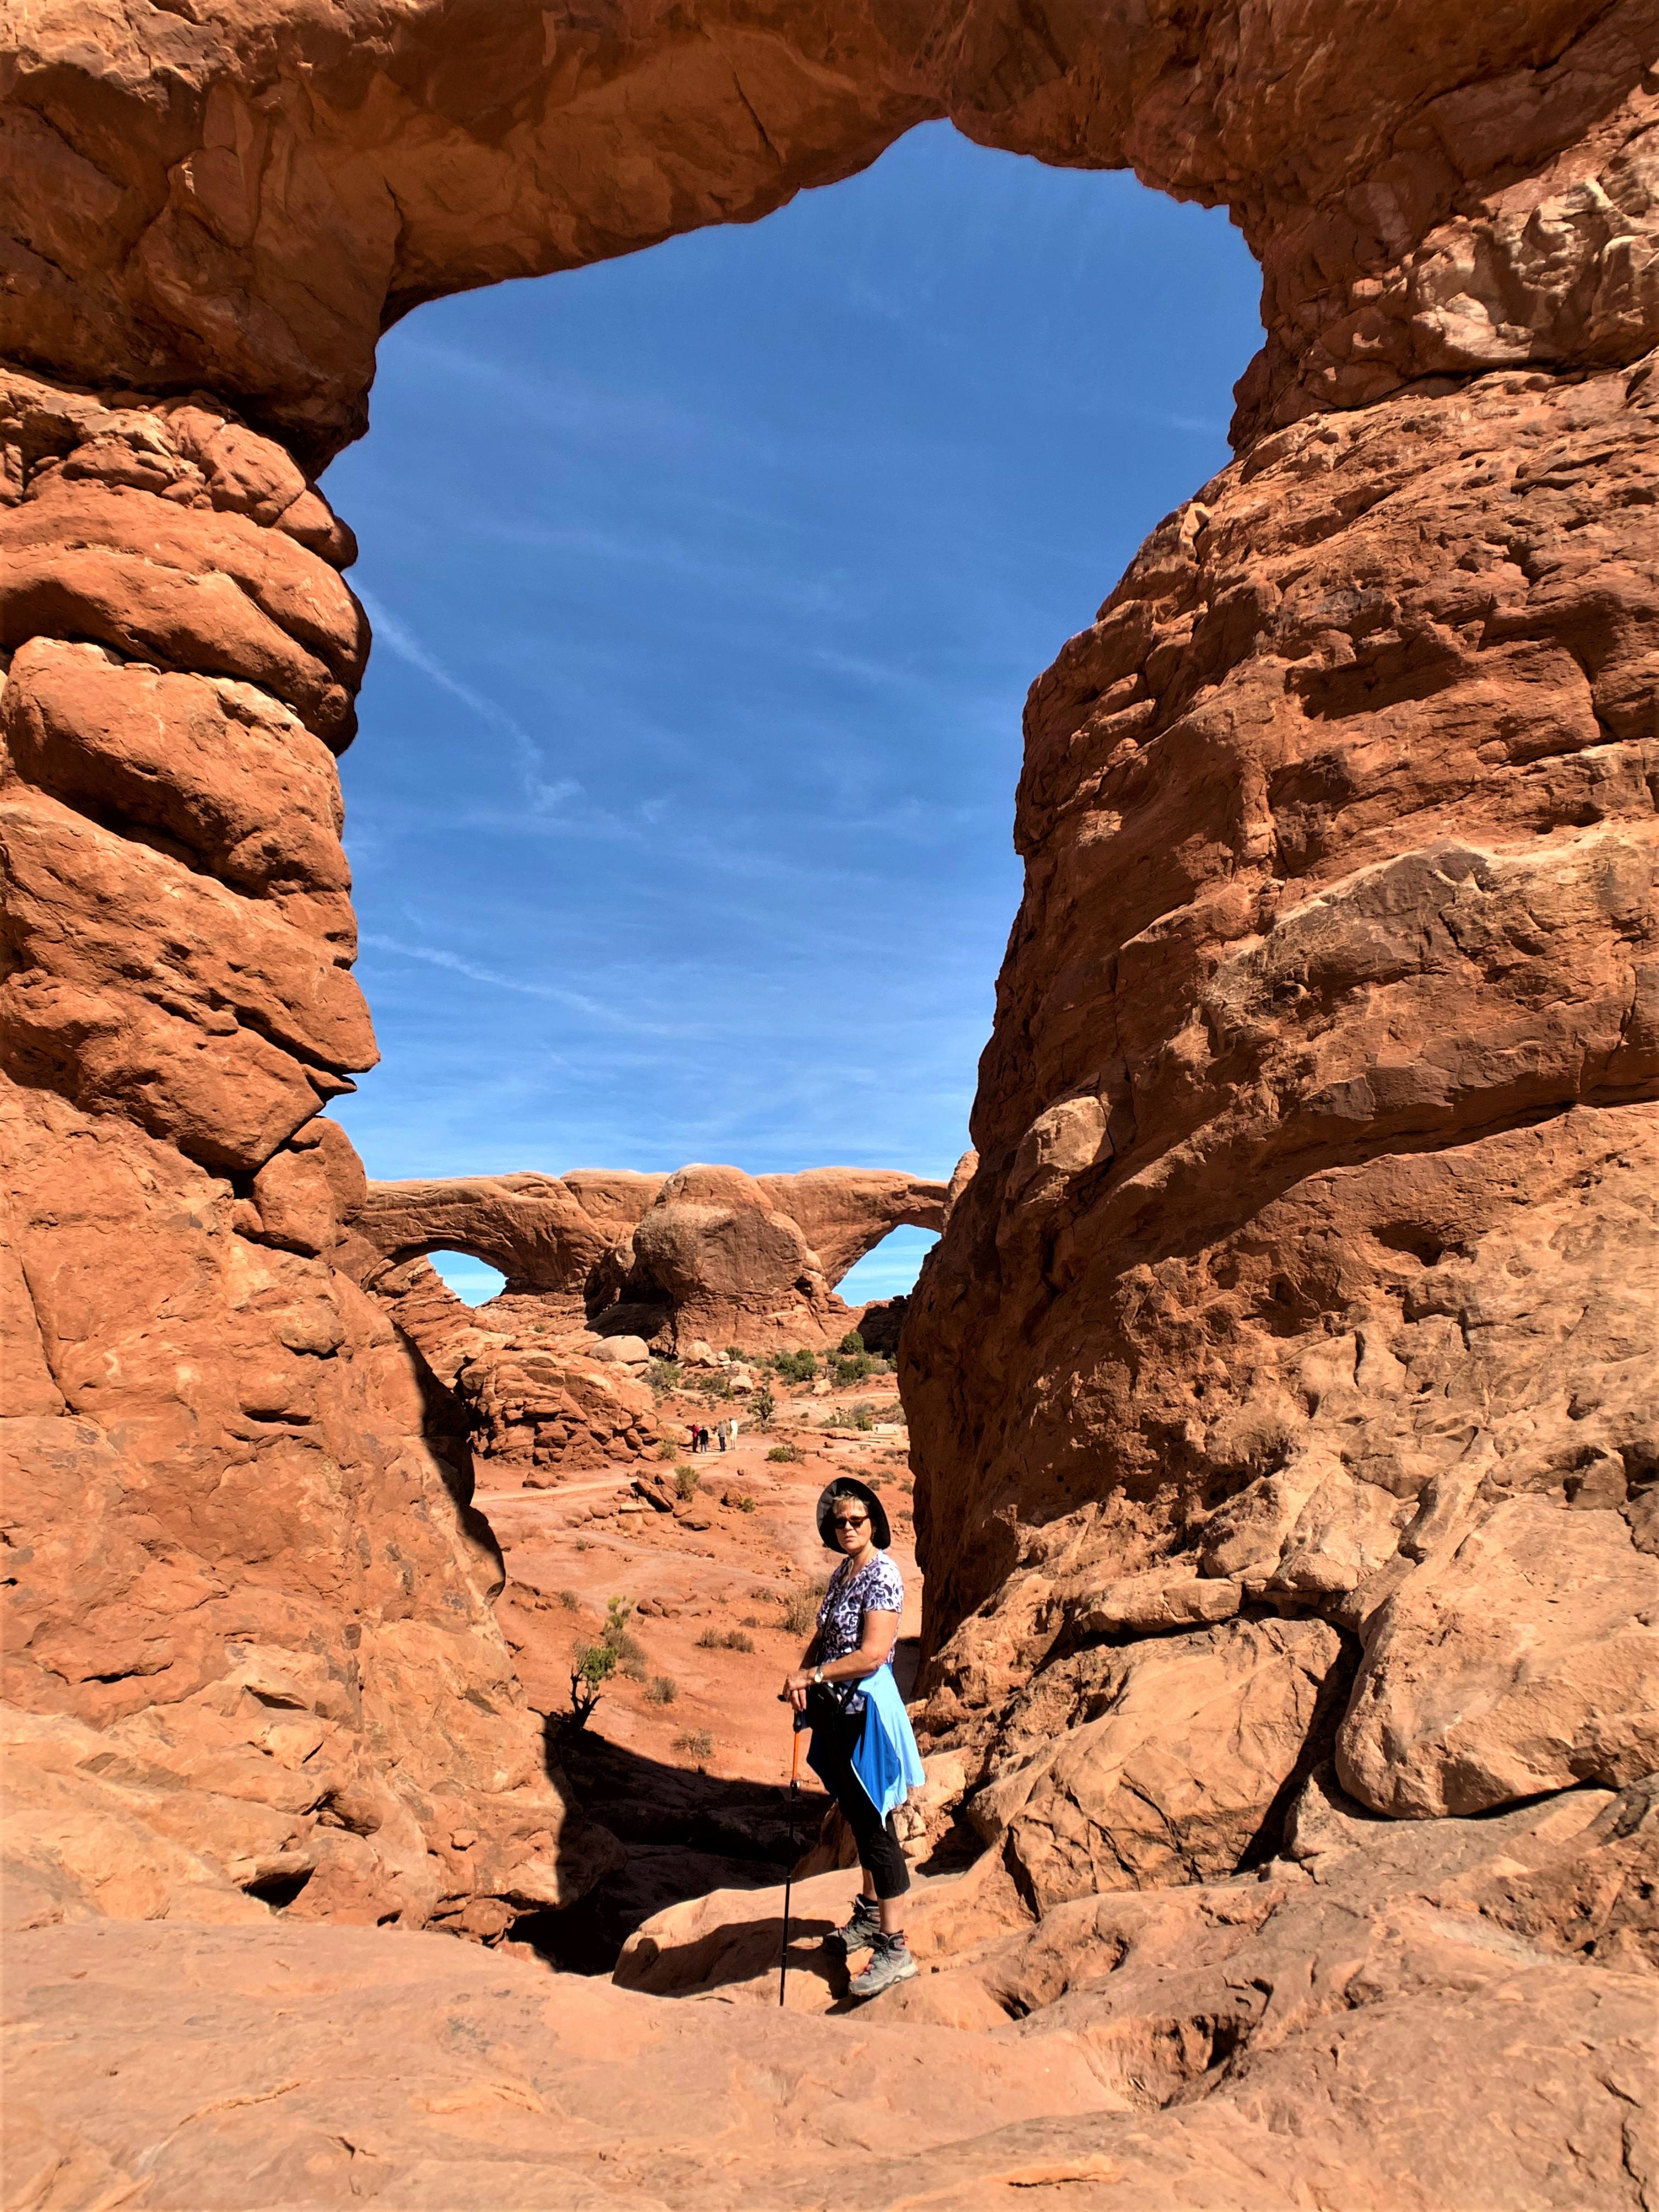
point(848, 1485)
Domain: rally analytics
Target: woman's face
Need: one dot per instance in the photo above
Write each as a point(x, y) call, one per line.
point(850, 1523)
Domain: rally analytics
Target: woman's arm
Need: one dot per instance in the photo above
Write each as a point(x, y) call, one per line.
point(878, 1631)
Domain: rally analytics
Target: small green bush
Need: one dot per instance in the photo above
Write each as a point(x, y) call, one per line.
point(686, 1480)
point(852, 1341)
point(595, 1663)
point(784, 1454)
point(751, 1620)
point(662, 1689)
point(570, 1601)
point(796, 1366)
point(663, 1375)
point(668, 1450)
point(591, 1668)
point(761, 1406)
point(699, 1745)
point(746, 1503)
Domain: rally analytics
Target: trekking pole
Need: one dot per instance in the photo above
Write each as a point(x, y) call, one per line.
point(788, 1880)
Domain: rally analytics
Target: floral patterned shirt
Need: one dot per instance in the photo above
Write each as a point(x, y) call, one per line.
point(877, 1588)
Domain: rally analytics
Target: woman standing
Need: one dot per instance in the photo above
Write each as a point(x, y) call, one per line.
point(862, 1750)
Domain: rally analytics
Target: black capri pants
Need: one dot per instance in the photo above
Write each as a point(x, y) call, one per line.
point(835, 1738)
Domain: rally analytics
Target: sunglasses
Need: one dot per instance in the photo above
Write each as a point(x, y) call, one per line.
point(848, 1520)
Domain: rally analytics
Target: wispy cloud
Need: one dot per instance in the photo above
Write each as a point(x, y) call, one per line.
point(544, 792)
point(456, 964)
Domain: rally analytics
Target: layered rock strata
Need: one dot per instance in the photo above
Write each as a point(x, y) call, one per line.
point(532, 1396)
point(1310, 1265)
point(710, 1254)
point(251, 1661)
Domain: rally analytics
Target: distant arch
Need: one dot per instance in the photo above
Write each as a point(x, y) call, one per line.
point(474, 1282)
point(887, 1268)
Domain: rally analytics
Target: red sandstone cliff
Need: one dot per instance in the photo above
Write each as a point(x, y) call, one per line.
point(1284, 1377)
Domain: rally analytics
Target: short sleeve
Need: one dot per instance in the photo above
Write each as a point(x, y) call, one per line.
point(883, 1589)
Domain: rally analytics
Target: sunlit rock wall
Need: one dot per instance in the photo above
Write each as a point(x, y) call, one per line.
point(1282, 1365)
point(251, 1658)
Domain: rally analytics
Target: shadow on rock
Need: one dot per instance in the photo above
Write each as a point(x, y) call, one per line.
point(686, 1834)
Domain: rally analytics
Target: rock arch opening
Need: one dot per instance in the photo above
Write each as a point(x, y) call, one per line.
point(473, 1281)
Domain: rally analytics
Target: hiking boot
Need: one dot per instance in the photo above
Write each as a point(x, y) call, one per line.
point(860, 1931)
point(892, 1963)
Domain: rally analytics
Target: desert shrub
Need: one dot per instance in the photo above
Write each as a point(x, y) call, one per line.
point(727, 1639)
point(796, 1366)
point(746, 1503)
point(662, 1689)
point(752, 1621)
point(686, 1480)
point(668, 1450)
point(591, 1667)
point(852, 1341)
point(784, 1453)
point(859, 1417)
point(801, 1611)
point(858, 1367)
point(700, 1744)
point(581, 1544)
point(663, 1376)
point(761, 1406)
point(570, 1601)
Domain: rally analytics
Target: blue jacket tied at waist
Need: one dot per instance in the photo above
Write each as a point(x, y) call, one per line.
point(885, 1758)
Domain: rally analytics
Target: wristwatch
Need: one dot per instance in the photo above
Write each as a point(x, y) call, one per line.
point(818, 1675)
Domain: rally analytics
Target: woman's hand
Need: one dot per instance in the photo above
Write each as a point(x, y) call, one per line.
point(795, 1688)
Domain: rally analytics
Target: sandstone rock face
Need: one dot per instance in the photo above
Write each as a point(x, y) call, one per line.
point(251, 1659)
point(710, 1254)
point(1195, 1738)
point(531, 1395)
point(1296, 1316)
point(1409, 2014)
point(1432, 193)
point(1310, 1257)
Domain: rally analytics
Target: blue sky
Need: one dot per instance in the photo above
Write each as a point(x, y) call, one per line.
point(707, 587)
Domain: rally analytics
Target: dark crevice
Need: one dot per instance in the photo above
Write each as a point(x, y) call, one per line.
point(280, 1890)
point(1318, 1747)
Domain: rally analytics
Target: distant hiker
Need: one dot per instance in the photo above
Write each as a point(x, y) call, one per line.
point(693, 1432)
point(719, 1434)
point(862, 1748)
